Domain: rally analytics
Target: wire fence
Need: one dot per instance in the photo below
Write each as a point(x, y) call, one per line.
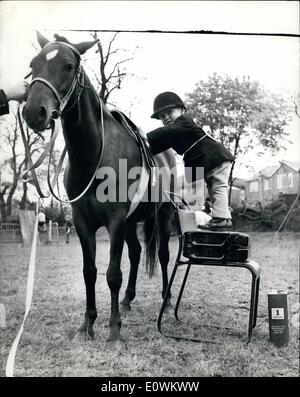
point(11, 233)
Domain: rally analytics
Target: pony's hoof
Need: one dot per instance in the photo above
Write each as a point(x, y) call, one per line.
point(118, 345)
point(83, 336)
point(125, 307)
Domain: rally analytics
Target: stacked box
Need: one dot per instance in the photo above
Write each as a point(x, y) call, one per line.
point(217, 247)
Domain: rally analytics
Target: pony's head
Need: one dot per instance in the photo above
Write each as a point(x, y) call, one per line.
point(55, 73)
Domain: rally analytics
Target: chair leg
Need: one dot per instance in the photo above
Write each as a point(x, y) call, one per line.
point(163, 306)
point(252, 307)
point(181, 291)
point(177, 304)
point(256, 301)
point(252, 310)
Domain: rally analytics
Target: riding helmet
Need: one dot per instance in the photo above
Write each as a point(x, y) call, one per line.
point(166, 100)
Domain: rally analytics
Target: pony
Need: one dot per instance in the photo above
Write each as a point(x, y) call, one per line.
point(96, 140)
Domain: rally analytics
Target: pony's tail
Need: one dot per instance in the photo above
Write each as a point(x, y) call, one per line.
point(151, 239)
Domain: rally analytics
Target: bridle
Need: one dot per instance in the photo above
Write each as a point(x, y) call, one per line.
point(62, 103)
point(77, 79)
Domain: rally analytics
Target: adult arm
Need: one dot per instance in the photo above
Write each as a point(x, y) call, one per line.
point(17, 92)
point(4, 108)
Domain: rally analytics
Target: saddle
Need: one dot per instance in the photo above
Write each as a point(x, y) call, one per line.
point(135, 133)
point(147, 157)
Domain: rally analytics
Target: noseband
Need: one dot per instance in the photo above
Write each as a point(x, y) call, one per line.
point(78, 78)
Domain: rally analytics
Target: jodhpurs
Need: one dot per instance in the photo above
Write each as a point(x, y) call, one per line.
point(217, 186)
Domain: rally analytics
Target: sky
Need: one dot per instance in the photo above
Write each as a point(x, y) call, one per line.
point(166, 62)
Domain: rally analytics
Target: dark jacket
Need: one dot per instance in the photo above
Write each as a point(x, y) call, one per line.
point(181, 135)
point(4, 108)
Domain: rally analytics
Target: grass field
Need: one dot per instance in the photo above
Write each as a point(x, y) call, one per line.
point(212, 296)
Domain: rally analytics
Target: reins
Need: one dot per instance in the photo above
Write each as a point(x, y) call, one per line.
point(33, 166)
point(54, 181)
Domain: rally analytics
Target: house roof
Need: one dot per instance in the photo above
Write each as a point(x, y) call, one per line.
point(239, 182)
point(295, 165)
point(266, 172)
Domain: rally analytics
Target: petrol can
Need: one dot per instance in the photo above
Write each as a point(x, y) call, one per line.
point(278, 317)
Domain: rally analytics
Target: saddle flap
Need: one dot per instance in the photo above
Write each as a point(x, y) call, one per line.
point(136, 134)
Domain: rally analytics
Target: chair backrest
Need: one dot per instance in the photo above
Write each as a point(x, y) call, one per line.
point(187, 220)
point(184, 215)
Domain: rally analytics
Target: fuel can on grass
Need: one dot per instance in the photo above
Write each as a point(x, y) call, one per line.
point(278, 317)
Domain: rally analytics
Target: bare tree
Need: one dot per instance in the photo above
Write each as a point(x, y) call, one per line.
point(111, 67)
point(14, 162)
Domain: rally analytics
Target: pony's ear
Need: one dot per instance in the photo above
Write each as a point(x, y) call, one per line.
point(41, 39)
point(84, 46)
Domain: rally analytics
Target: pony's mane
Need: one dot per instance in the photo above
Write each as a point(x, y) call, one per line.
point(61, 38)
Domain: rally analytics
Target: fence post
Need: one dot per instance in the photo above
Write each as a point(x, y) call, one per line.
point(2, 316)
point(50, 232)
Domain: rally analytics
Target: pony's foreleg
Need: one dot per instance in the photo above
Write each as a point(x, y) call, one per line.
point(88, 245)
point(134, 252)
point(114, 280)
point(164, 221)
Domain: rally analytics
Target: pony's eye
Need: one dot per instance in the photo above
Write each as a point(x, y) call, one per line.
point(69, 67)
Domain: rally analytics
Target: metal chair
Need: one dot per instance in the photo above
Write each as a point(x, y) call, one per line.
point(185, 221)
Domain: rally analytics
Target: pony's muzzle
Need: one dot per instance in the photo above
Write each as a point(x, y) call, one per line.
point(35, 117)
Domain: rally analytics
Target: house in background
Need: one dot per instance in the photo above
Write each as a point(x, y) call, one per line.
point(268, 183)
point(264, 187)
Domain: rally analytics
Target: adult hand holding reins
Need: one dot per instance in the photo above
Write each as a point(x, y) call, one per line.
point(18, 92)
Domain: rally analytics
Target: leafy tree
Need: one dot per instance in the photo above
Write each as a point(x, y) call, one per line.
point(240, 113)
